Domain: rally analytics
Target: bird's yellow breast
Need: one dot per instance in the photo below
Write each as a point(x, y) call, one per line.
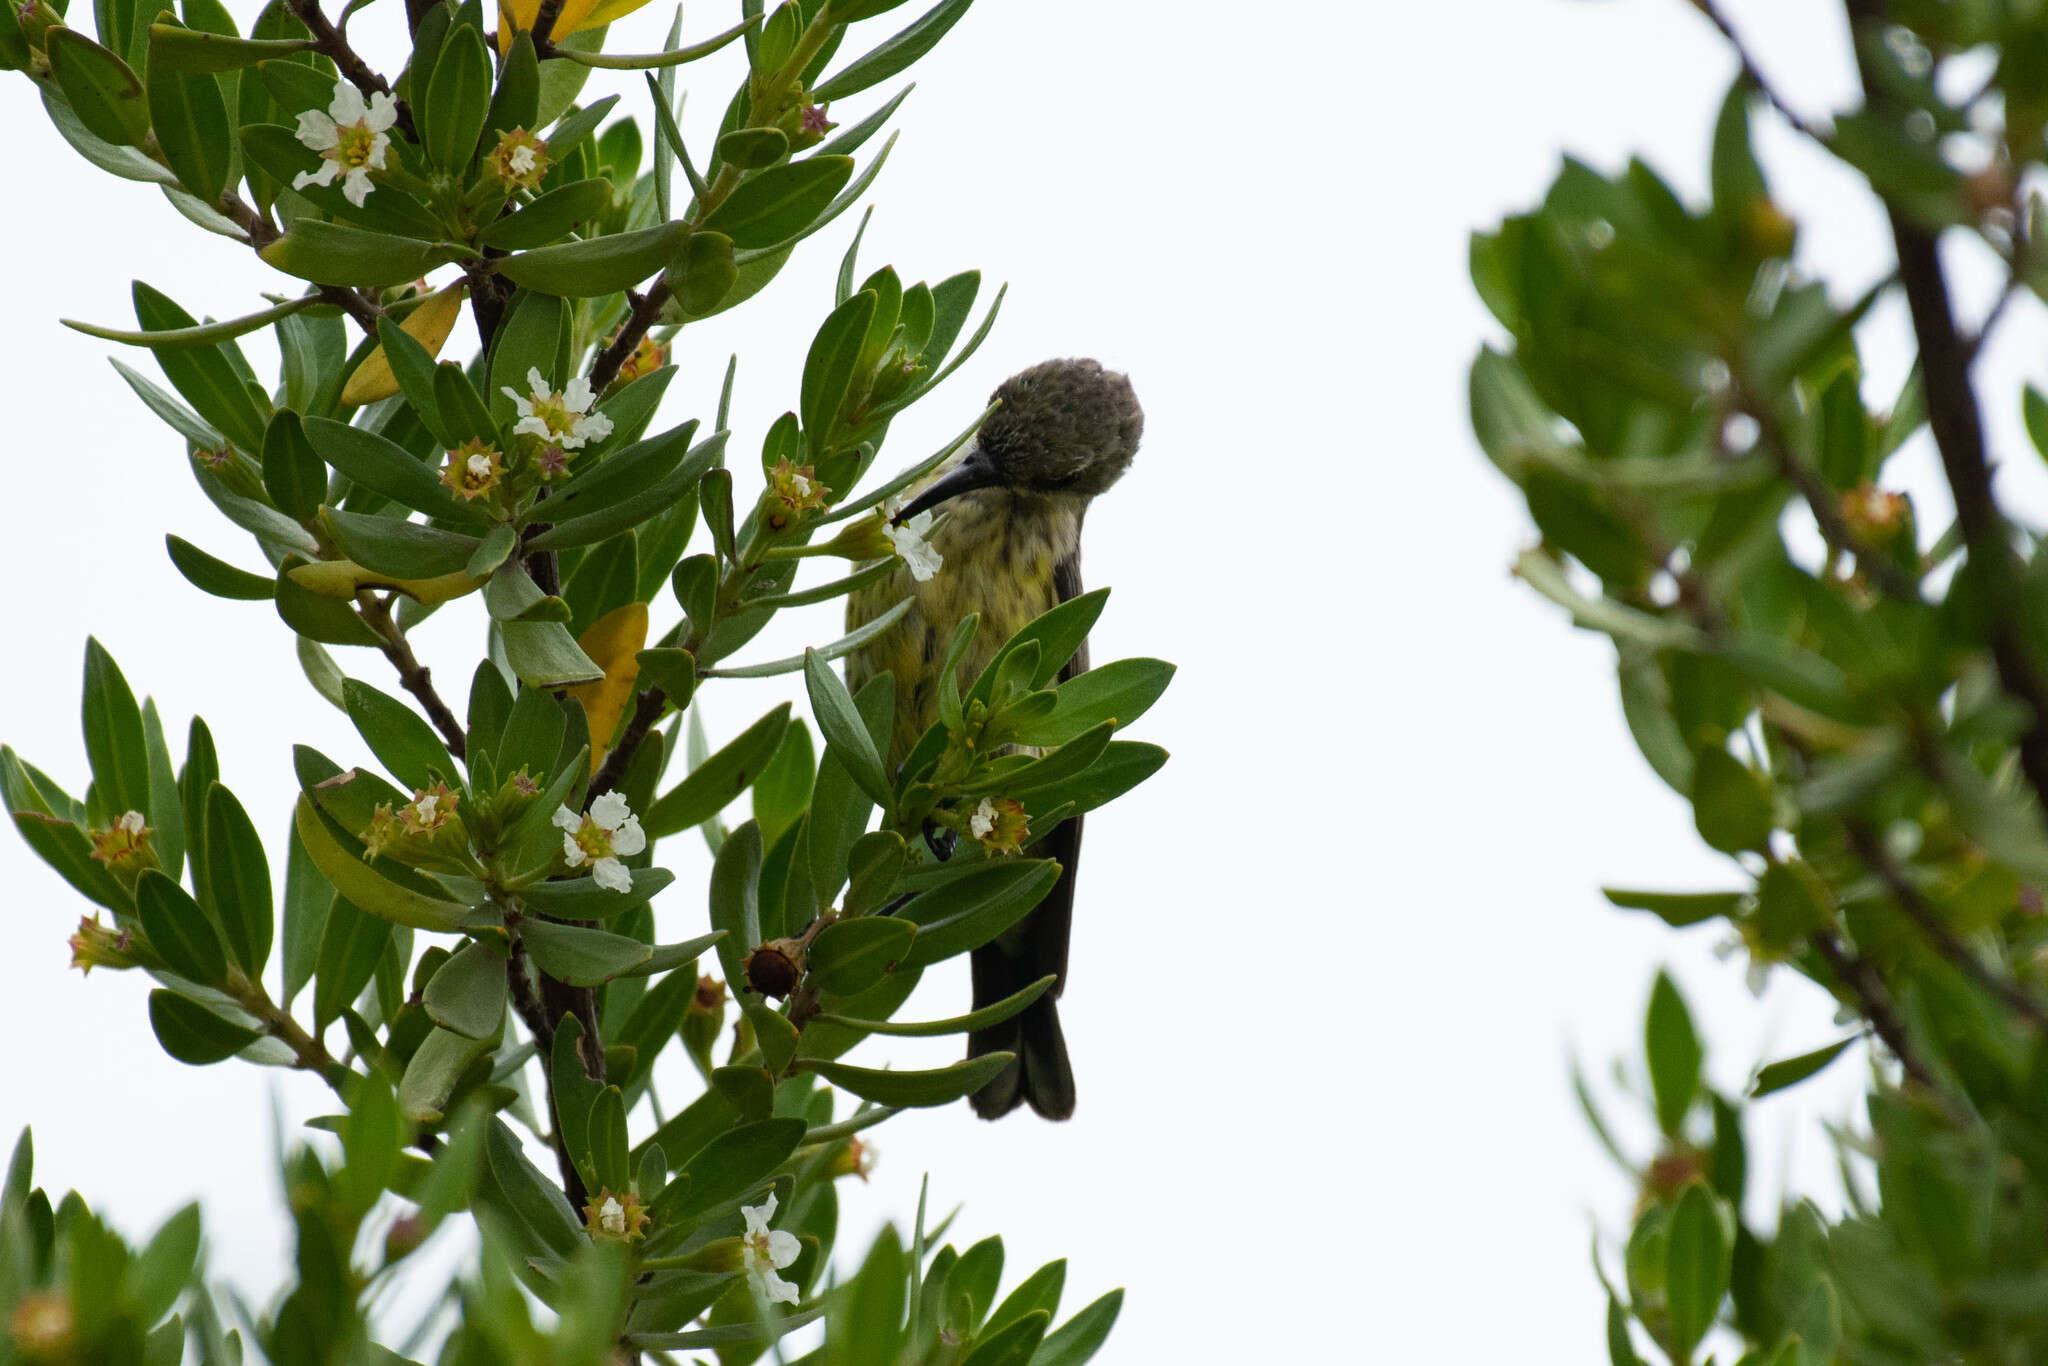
point(1000, 549)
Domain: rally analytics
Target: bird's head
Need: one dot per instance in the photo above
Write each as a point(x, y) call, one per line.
point(1064, 426)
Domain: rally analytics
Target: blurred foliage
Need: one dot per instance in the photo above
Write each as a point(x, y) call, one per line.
point(1852, 696)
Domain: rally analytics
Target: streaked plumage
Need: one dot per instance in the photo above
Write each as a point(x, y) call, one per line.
point(1011, 542)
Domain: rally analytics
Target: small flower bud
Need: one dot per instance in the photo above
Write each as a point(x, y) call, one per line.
point(810, 126)
point(1771, 233)
point(649, 356)
point(519, 161)
point(709, 998)
point(856, 1159)
point(473, 470)
point(999, 825)
point(615, 1217)
point(101, 946)
point(42, 1326)
point(124, 847)
point(793, 490)
point(36, 18)
point(864, 538)
point(775, 968)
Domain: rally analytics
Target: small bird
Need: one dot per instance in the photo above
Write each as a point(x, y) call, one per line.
point(1010, 542)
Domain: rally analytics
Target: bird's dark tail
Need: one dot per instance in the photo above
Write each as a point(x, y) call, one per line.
point(1039, 1076)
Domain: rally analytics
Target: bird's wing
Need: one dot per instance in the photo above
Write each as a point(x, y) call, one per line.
point(1052, 923)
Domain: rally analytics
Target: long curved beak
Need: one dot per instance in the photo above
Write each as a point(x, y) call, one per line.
point(976, 471)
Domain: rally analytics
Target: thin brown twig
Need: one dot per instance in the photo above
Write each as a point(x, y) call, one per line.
point(262, 232)
point(1917, 909)
point(413, 676)
point(1958, 428)
point(1841, 538)
point(1754, 73)
point(645, 311)
point(647, 709)
point(1862, 981)
point(335, 44)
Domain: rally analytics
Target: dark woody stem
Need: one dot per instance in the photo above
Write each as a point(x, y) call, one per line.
point(647, 308)
point(262, 232)
point(1958, 428)
point(527, 1001)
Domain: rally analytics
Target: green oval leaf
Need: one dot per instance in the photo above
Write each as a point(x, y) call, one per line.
point(850, 956)
point(775, 204)
point(193, 1034)
point(597, 265)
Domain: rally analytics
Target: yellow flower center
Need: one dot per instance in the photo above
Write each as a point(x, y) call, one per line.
point(354, 144)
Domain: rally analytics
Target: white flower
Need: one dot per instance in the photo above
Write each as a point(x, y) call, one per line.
point(480, 466)
point(764, 1251)
point(130, 823)
point(562, 419)
point(423, 809)
point(983, 821)
point(608, 833)
point(522, 160)
point(351, 139)
point(611, 1216)
point(912, 540)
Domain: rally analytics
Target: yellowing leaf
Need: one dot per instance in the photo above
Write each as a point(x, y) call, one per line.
point(517, 16)
point(345, 578)
point(429, 325)
point(612, 642)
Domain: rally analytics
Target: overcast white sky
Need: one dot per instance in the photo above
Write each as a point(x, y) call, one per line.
point(1330, 966)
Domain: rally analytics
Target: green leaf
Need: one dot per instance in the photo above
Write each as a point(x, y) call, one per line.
point(986, 1017)
point(164, 1267)
point(893, 56)
point(387, 468)
point(735, 899)
point(1731, 804)
point(830, 366)
point(610, 1160)
point(210, 378)
point(872, 867)
point(402, 549)
point(351, 945)
point(550, 217)
point(850, 956)
point(467, 993)
point(451, 117)
point(673, 671)
point(705, 273)
point(775, 204)
point(114, 742)
point(603, 522)
point(332, 621)
point(1677, 909)
point(294, 475)
point(516, 101)
point(578, 956)
point(339, 254)
point(1075, 1342)
point(1673, 1049)
point(939, 1086)
point(751, 149)
point(190, 118)
point(179, 930)
point(574, 1090)
point(216, 577)
point(596, 265)
point(193, 1034)
point(734, 1163)
point(1696, 1267)
point(173, 47)
point(975, 908)
point(1120, 691)
point(365, 884)
point(517, 1189)
point(403, 742)
point(718, 781)
point(103, 90)
point(1013, 1344)
point(238, 881)
point(307, 897)
point(582, 899)
point(846, 734)
point(433, 1072)
point(1791, 1071)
